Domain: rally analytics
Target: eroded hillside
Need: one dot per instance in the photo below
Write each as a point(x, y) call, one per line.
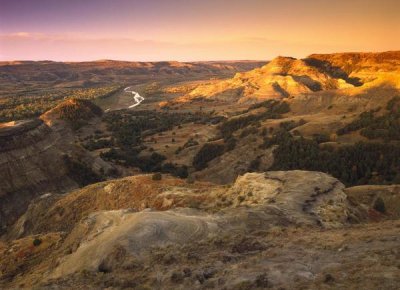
point(282, 77)
point(283, 176)
point(169, 234)
point(38, 157)
point(29, 76)
point(320, 75)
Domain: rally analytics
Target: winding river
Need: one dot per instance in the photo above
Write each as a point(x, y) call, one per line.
point(138, 98)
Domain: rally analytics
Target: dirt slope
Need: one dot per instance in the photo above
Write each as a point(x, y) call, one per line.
point(38, 157)
point(242, 225)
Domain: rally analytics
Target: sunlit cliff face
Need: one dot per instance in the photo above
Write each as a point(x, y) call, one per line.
point(194, 30)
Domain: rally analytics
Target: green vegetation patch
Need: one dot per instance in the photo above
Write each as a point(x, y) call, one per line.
point(361, 163)
point(129, 128)
point(30, 106)
point(208, 152)
point(386, 126)
point(274, 110)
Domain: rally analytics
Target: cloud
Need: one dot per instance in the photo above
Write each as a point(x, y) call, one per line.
point(71, 47)
point(21, 34)
point(76, 47)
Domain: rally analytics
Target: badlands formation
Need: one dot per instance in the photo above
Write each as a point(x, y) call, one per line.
point(33, 156)
point(209, 183)
point(277, 230)
point(285, 76)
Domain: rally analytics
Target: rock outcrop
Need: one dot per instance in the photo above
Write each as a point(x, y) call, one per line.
point(287, 77)
point(135, 192)
point(256, 201)
point(30, 163)
point(280, 78)
point(134, 233)
point(320, 201)
point(34, 155)
point(380, 200)
point(282, 228)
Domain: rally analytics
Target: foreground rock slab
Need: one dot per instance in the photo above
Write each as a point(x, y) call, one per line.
point(290, 229)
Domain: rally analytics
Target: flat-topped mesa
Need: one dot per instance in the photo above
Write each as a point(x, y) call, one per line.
point(361, 68)
point(351, 61)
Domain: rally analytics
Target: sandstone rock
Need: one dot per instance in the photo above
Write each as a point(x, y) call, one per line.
point(277, 198)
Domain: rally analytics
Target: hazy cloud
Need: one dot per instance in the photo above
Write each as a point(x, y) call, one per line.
point(72, 47)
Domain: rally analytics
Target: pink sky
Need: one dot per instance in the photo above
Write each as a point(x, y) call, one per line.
point(186, 30)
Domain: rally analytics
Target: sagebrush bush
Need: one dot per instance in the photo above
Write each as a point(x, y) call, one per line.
point(156, 176)
point(36, 242)
point(379, 205)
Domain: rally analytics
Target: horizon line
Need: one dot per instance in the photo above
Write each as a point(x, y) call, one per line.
point(193, 61)
point(121, 60)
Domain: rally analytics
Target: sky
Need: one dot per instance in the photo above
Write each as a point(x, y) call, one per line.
point(194, 30)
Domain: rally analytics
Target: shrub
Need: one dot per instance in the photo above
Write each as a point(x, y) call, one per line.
point(255, 164)
point(321, 138)
point(379, 205)
point(329, 278)
point(191, 142)
point(36, 242)
point(176, 277)
point(288, 125)
point(97, 144)
point(151, 163)
point(262, 281)
point(181, 172)
point(156, 176)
